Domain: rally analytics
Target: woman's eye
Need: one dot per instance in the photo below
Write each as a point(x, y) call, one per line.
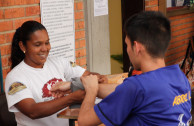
point(47, 43)
point(37, 44)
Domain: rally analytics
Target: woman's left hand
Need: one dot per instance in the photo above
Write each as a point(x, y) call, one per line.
point(60, 89)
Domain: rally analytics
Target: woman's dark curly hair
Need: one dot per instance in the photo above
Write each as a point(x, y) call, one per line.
point(23, 34)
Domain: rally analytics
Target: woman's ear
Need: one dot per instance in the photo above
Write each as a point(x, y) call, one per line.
point(22, 47)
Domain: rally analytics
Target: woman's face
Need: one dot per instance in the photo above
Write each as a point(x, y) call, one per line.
point(37, 49)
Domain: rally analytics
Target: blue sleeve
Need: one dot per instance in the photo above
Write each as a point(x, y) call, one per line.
point(115, 108)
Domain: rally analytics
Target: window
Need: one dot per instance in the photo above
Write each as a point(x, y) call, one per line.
point(176, 7)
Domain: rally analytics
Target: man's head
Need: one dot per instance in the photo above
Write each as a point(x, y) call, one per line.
point(150, 30)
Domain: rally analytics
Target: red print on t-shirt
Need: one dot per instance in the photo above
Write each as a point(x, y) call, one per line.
point(47, 87)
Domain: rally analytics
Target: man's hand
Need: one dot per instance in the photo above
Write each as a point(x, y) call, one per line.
point(90, 83)
point(102, 79)
point(60, 89)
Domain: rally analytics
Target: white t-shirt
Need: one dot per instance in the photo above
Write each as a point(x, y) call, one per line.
point(37, 82)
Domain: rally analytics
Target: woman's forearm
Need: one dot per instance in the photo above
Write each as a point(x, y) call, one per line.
point(39, 110)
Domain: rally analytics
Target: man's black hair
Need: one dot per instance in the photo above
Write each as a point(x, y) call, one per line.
point(152, 29)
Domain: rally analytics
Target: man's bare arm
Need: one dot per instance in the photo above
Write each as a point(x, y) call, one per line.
point(87, 115)
point(106, 89)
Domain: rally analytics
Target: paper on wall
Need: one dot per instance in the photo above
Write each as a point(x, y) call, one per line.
point(100, 7)
point(58, 18)
point(169, 3)
point(179, 2)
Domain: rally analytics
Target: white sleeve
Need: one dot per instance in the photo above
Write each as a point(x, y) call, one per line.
point(18, 93)
point(72, 71)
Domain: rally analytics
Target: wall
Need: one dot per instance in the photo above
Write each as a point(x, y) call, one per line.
point(151, 5)
point(182, 28)
point(98, 42)
point(115, 29)
point(14, 12)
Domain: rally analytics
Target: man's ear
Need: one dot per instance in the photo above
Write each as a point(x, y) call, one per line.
point(22, 47)
point(137, 47)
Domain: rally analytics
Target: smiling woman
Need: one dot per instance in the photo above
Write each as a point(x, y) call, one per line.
point(33, 73)
point(37, 49)
point(36, 34)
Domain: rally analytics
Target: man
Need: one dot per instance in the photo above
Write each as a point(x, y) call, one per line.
point(159, 96)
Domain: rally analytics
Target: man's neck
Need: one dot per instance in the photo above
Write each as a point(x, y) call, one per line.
point(152, 64)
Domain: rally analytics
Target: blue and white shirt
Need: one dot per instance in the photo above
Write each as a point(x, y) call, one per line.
point(161, 97)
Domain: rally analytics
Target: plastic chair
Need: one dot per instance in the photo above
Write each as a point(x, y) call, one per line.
point(6, 118)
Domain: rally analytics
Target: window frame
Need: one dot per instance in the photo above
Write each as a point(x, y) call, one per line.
point(176, 12)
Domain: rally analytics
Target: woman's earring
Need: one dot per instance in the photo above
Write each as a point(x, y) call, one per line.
point(24, 52)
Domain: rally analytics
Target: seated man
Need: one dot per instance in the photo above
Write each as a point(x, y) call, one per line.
point(161, 95)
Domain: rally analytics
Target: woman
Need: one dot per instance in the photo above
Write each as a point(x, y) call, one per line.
point(33, 74)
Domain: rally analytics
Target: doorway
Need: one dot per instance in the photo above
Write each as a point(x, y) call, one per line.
point(129, 7)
